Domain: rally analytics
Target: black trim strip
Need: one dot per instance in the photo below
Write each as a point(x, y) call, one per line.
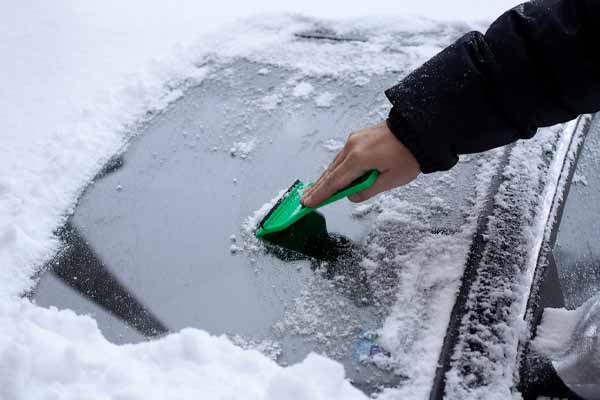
point(473, 260)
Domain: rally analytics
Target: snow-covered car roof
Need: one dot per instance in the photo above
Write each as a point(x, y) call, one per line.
point(438, 273)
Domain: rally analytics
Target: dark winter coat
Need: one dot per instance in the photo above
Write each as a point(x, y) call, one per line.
point(537, 65)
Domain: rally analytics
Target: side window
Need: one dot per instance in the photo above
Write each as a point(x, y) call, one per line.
point(577, 248)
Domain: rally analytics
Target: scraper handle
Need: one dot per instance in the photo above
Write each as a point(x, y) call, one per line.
point(359, 184)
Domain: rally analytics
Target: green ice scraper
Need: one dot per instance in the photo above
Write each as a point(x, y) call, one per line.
point(289, 209)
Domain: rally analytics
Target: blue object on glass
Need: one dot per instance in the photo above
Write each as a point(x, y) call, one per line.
point(367, 347)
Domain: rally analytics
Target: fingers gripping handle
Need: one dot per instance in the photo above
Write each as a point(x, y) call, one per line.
point(359, 184)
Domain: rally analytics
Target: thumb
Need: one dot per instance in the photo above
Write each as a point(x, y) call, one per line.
point(385, 181)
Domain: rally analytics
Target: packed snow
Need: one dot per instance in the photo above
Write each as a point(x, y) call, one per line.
point(49, 354)
point(555, 330)
point(571, 340)
point(82, 82)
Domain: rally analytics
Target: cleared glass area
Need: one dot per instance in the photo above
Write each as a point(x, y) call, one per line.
point(160, 242)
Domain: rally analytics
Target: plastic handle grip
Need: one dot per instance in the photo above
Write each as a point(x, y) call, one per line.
point(358, 185)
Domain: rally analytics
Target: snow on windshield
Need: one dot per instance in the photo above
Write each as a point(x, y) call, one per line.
point(416, 248)
point(49, 168)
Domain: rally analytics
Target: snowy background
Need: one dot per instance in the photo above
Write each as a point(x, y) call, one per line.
point(75, 79)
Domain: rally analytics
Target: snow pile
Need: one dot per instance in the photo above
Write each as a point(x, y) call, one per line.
point(57, 354)
point(571, 340)
point(555, 330)
point(267, 347)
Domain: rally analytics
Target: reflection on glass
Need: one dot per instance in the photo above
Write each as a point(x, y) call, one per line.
point(80, 268)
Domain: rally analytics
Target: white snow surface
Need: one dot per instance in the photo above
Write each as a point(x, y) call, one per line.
point(555, 330)
point(569, 338)
point(50, 354)
point(78, 81)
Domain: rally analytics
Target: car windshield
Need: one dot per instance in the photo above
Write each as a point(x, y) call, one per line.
point(164, 238)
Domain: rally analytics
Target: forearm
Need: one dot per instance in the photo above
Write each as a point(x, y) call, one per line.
point(537, 65)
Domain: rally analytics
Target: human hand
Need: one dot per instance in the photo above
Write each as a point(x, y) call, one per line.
point(367, 149)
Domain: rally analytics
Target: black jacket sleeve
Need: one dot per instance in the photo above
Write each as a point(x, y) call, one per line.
point(537, 65)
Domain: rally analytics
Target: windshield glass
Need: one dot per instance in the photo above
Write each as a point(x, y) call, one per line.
point(164, 240)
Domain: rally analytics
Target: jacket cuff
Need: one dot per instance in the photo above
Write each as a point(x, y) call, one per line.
point(448, 106)
point(411, 140)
